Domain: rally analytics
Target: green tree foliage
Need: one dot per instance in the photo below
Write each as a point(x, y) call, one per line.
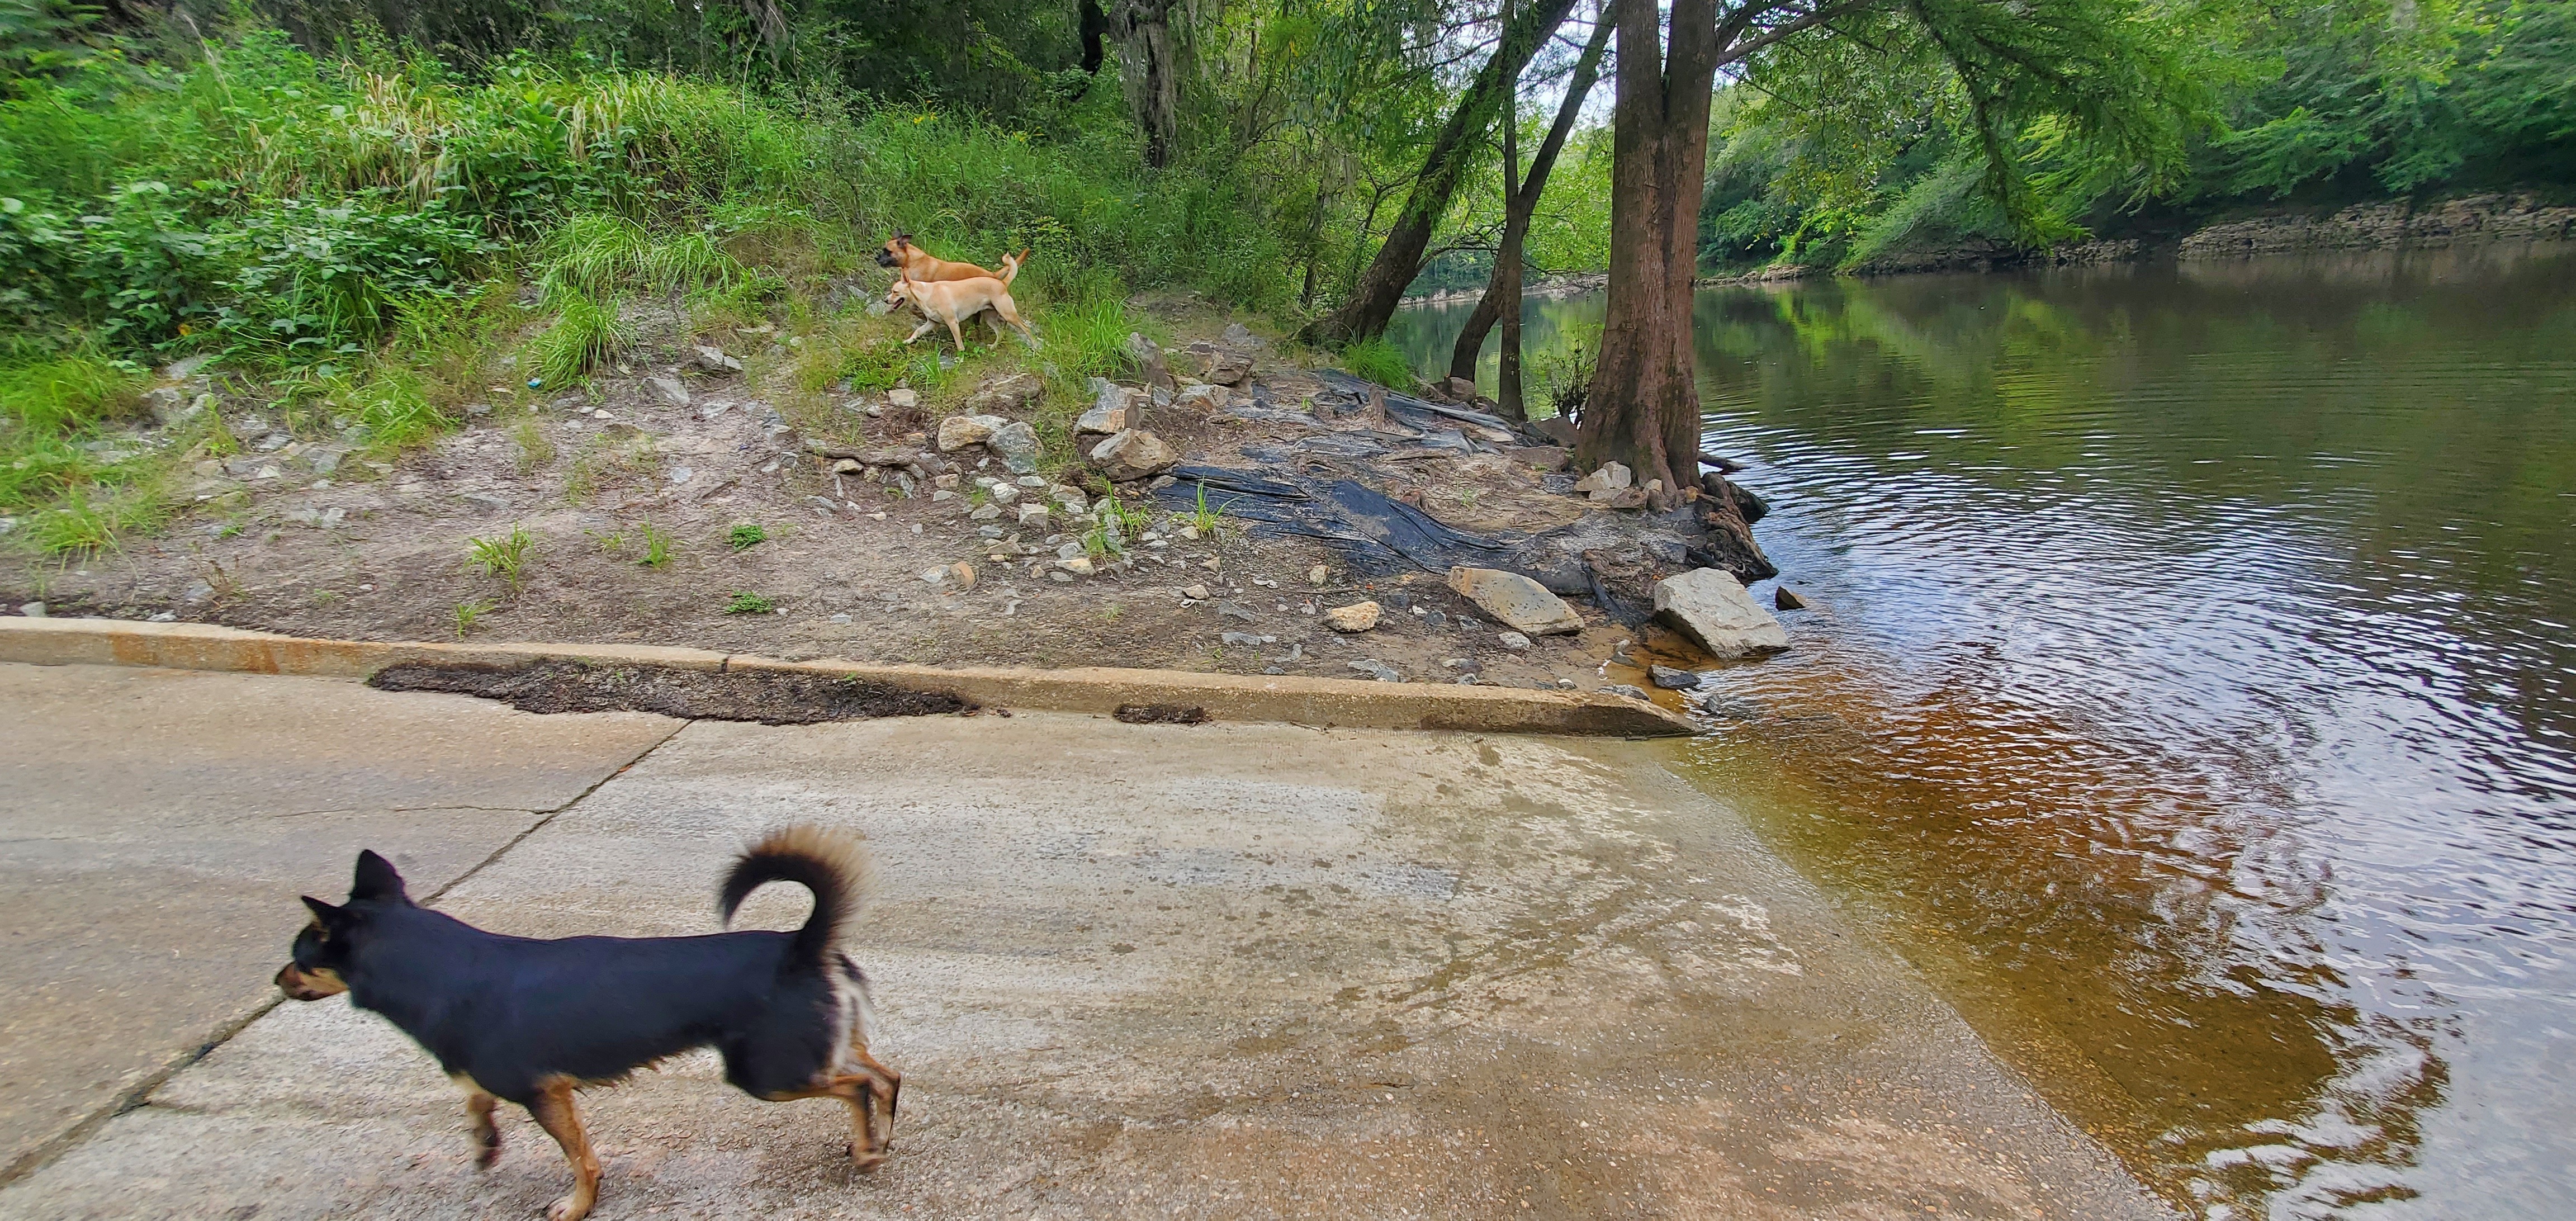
point(1850, 152)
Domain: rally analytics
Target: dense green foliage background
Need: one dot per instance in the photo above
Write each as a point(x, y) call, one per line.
point(1846, 157)
point(365, 205)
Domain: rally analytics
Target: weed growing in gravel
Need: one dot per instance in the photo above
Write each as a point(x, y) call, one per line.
point(506, 558)
point(746, 602)
point(93, 518)
point(603, 457)
point(1115, 528)
point(470, 613)
point(1207, 520)
point(746, 536)
point(534, 450)
point(657, 546)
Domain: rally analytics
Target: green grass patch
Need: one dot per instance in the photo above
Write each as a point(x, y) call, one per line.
point(1381, 362)
point(586, 333)
point(746, 602)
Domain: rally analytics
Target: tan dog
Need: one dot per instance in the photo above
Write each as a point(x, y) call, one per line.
point(916, 263)
point(955, 301)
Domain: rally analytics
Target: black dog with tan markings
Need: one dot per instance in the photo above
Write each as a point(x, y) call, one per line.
point(531, 1021)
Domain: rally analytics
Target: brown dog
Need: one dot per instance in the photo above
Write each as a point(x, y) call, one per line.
point(955, 301)
point(917, 264)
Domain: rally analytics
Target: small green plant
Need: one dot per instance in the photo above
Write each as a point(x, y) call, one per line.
point(534, 450)
point(1204, 518)
point(1565, 377)
point(1381, 362)
point(1115, 527)
point(657, 546)
point(746, 602)
point(746, 536)
point(1100, 540)
point(506, 558)
point(604, 459)
point(470, 613)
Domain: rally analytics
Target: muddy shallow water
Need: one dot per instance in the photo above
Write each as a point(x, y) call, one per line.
point(2189, 693)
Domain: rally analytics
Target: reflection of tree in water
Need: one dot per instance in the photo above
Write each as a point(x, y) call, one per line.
point(2164, 587)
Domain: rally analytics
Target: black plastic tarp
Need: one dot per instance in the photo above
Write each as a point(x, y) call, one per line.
point(1376, 535)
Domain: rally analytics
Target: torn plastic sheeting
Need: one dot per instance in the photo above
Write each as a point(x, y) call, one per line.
point(1374, 533)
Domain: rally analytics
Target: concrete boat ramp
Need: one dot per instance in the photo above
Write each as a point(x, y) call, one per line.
point(1218, 970)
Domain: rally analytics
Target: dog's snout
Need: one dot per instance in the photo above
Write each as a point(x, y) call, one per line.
point(308, 985)
point(885, 258)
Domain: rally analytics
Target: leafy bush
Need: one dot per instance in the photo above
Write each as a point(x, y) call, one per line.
point(312, 281)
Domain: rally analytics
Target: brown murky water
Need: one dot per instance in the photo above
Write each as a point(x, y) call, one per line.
point(2190, 694)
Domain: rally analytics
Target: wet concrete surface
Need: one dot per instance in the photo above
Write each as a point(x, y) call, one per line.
point(158, 825)
point(1213, 970)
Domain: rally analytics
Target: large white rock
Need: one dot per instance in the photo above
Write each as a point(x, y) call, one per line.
point(1134, 454)
point(1356, 617)
point(959, 431)
point(1711, 607)
point(1611, 477)
point(1521, 603)
point(1117, 409)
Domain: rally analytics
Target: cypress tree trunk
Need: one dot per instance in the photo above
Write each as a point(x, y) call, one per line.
point(1506, 286)
point(1643, 407)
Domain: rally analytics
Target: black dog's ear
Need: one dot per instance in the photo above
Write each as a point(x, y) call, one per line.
point(377, 880)
point(322, 911)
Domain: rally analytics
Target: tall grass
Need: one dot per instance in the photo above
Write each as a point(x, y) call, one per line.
point(52, 413)
point(1380, 361)
point(357, 231)
point(585, 334)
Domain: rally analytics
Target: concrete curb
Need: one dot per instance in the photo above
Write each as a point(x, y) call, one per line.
point(1227, 697)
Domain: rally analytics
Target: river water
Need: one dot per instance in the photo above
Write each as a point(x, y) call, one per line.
point(2188, 694)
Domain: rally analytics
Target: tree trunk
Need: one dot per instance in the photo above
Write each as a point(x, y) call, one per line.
point(1149, 73)
point(1643, 406)
point(1373, 299)
point(1095, 32)
point(1507, 273)
point(1521, 203)
point(769, 23)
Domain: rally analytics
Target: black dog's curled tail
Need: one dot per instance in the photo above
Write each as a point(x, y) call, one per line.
point(832, 864)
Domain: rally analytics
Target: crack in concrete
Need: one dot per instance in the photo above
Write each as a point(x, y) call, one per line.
point(139, 1095)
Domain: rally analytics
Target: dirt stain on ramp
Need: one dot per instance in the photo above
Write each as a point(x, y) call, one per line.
point(767, 696)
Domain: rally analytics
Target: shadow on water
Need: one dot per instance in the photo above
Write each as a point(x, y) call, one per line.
point(2189, 694)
